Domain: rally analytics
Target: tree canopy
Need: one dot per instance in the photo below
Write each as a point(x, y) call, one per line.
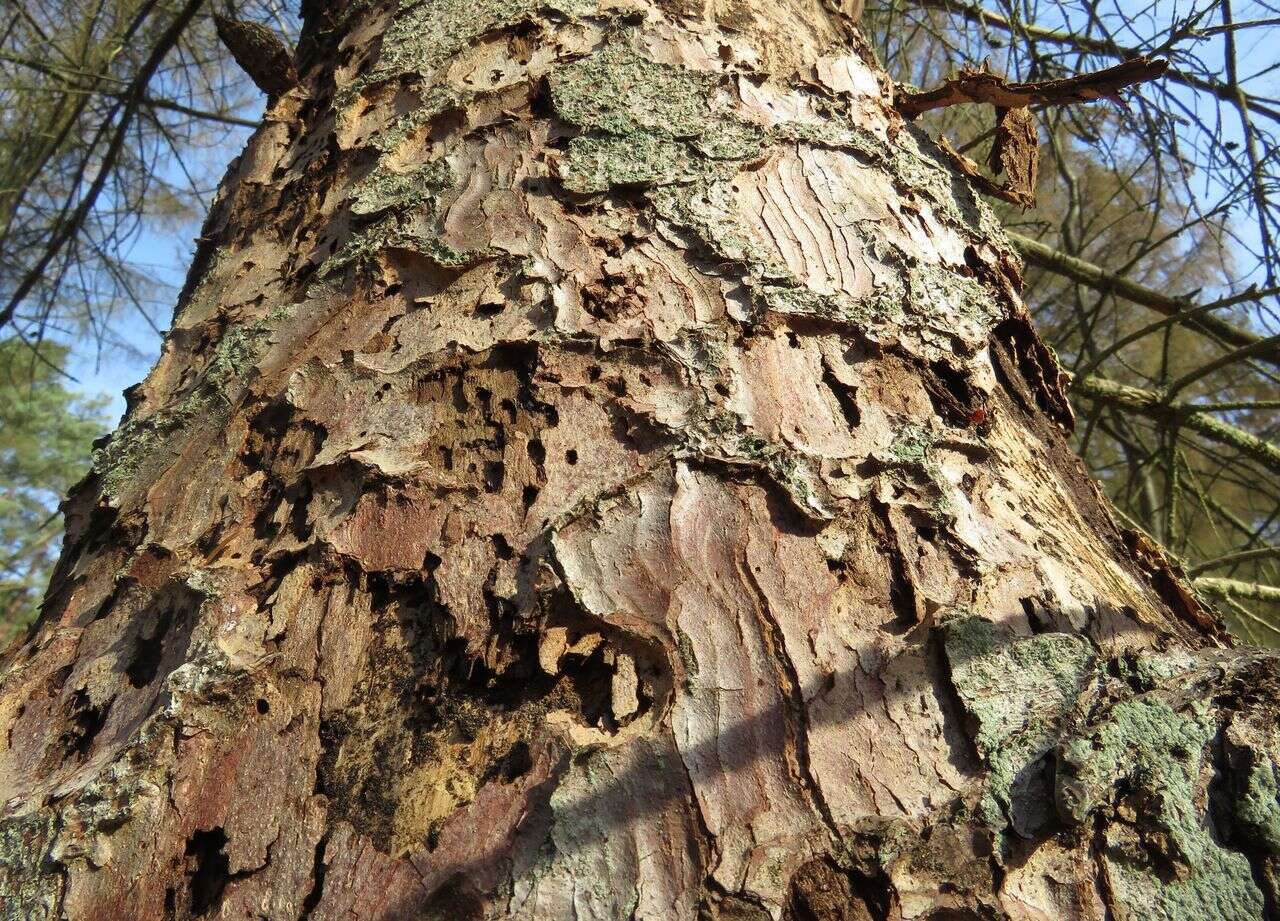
point(45, 436)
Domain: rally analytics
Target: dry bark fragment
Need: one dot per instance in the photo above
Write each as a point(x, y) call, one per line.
point(1016, 151)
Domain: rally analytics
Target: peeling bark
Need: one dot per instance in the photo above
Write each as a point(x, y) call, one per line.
point(601, 467)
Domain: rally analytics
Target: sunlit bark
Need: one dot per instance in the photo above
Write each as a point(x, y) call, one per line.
point(602, 468)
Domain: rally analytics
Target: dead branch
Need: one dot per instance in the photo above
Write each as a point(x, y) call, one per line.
point(979, 86)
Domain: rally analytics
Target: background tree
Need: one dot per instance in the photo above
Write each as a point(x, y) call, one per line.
point(107, 108)
point(45, 433)
point(602, 466)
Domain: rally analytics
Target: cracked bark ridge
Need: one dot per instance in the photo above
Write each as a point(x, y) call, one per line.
point(602, 467)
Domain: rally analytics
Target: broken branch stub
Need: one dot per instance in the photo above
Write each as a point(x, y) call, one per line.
point(983, 87)
point(261, 54)
point(1016, 149)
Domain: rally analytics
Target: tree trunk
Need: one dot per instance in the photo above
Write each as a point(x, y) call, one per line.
point(601, 468)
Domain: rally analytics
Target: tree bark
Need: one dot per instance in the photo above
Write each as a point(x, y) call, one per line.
point(601, 468)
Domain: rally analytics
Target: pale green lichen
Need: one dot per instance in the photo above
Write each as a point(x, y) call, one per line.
point(406, 208)
point(919, 167)
point(911, 445)
point(388, 234)
point(1256, 806)
point(385, 190)
point(835, 132)
point(714, 435)
point(1158, 754)
point(204, 583)
point(727, 137)
point(597, 164)
point(1016, 690)
point(140, 441)
point(645, 123)
point(797, 300)
point(705, 209)
point(434, 102)
point(619, 91)
point(426, 33)
point(30, 888)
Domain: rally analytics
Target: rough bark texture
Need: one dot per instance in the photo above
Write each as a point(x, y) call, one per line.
point(601, 468)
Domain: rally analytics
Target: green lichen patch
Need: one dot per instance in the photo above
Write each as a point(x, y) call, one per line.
point(30, 887)
point(406, 210)
point(797, 300)
point(426, 33)
point(911, 446)
point(939, 294)
point(620, 92)
point(835, 132)
point(943, 304)
point(434, 102)
point(597, 164)
point(645, 123)
point(1256, 804)
point(729, 138)
point(385, 190)
point(1008, 684)
point(1016, 691)
point(712, 435)
point(140, 442)
point(1169, 865)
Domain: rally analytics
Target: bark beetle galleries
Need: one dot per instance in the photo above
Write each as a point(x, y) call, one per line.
point(601, 468)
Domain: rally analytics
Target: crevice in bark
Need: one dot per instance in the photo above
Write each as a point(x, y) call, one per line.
point(795, 712)
point(902, 589)
point(955, 398)
point(1167, 582)
point(428, 714)
point(455, 900)
point(278, 443)
point(1040, 381)
point(958, 727)
point(144, 665)
point(84, 720)
point(318, 870)
point(846, 397)
point(819, 891)
point(209, 870)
